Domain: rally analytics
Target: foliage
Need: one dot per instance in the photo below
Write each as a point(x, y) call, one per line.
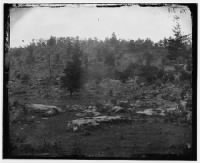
point(177, 45)
point(98, 59)
point(123, 76)
point(150, 73)
point(25, 78)
point(129, 72)
point(110, 59)
point(185, 76)
point(72, 73)
point(52, 41)
point(147, 57)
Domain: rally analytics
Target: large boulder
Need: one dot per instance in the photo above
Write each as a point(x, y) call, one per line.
point(46, 110)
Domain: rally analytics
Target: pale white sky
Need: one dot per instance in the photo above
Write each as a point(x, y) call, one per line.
point(86, 21)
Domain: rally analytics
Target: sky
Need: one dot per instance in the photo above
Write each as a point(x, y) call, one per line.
point(128, 22)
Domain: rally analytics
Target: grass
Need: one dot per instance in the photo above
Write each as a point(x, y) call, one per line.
point(143, 135)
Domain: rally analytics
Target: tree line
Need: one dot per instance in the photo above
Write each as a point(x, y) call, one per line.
point(74, 60)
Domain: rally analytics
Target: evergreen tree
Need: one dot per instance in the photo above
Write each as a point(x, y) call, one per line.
point(176, 45)
point(73, 71)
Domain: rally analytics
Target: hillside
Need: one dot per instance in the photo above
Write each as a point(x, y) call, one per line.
point(122, 99)
point(36, 59)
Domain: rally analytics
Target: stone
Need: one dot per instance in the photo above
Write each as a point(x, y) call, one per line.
point(91, 111)
point(90, 121)
point(117, 109)
point(76, 107)
point(146, 112)
point(46, 110)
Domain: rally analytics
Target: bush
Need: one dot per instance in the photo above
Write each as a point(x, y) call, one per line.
point(123, 76)
point(150, 73)
point(25, 78)
point(186, 76)
point(127, 73)
point(168, 77)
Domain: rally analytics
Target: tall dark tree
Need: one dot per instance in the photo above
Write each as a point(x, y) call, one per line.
point(148, 43)
point(113, 39)
point(165, 42)
point(72, 78)
point(52, 41)
point(176, 45)
point(51, 48)
point(30, 59)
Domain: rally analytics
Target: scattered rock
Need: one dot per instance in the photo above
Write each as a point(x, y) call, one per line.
point(124, 104)
point(90, 121)
point(160, 112)
point(91, 111)
point(117, 109)
point(76, 107)
point(171, 109)
point(146, 112)
point(157, 111)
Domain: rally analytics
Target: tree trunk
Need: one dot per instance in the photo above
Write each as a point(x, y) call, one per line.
point(71, 92)
point(49, 82)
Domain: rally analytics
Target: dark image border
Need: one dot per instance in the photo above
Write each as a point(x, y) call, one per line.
point(189, 156)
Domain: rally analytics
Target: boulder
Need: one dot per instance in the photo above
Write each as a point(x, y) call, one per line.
point(90, 111)
point(172, 109)
point(157, 111)
point(90, 121)
point(46, 110)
